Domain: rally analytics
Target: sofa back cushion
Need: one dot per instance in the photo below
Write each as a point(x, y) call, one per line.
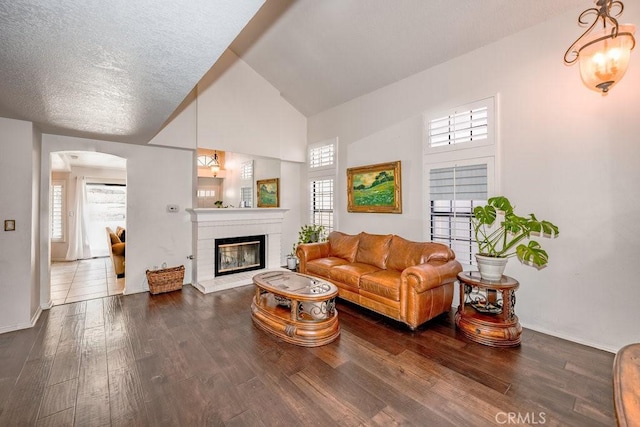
point(114, 238)
point(343, 245)
point(405, 253)
point(373, 249)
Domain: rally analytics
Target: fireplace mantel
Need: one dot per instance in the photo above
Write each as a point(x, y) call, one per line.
point(215, 214)
point(210, 224)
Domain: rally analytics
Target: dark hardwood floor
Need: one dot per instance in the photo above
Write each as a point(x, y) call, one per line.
point(188, 359)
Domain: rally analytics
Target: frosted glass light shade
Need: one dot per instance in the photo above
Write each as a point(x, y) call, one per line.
point(604, 59)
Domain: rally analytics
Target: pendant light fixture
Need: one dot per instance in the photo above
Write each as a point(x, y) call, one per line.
point(215, 164)
point(603, 53)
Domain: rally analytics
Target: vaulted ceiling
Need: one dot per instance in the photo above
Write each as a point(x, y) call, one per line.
point(322, 53)
point(117, 69)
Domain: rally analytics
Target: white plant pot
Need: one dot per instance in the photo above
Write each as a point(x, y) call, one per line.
point(292, 263)
point(491, 268)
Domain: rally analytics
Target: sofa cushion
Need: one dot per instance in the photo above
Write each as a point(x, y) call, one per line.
point(349, 274)
point(373, 249)
point(343, 245)
point(403, 253)
point(321, 266)
point(385, 283)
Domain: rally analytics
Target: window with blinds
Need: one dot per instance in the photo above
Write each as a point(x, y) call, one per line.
point(471, 123)
point(321, 156)
point(57, 211)
point(321, 203)
point(246, 170)
point(453, 194)
point(322, 175)
point(246, 197)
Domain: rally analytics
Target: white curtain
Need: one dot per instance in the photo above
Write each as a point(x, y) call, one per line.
point(78, 236)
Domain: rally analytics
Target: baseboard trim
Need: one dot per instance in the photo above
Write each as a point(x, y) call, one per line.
point(536, 328)
point(36, 316)
point(570, 338)
point(26, 325)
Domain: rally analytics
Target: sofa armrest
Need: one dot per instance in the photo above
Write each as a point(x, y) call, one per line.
point(118, 249)
point(427, 276)
point(310, 251)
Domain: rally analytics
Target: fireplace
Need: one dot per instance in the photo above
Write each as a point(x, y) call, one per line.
point(238, 254)
point(212, 224)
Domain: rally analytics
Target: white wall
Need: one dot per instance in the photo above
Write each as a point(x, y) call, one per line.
point(180, 132)
point(291, 187)
point(19, 288)
point(568, 154)
point(156, 177)
point(244, 113)
point(239, 111)
point(290, 175)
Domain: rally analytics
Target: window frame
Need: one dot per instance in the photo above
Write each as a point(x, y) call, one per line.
point(63, 210)
point(319, 145)
point(246, 189)
point(322, 173)
point(247, 181)
point(465, 154)
point(489, 161)
point(489, 103)
point(312, 208)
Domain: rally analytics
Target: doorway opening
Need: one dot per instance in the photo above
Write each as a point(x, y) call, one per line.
point(88, 226)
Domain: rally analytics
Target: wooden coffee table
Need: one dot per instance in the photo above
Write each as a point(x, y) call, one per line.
point(297, 308)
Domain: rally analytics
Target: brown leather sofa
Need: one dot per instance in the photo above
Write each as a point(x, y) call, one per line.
point(117, 247)
point(407, 281)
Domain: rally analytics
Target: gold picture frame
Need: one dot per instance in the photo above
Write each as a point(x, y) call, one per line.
point(268, 193)
point(375, 188)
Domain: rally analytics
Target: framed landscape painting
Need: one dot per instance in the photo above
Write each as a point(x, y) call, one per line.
point(268, 193)
point(375, 188)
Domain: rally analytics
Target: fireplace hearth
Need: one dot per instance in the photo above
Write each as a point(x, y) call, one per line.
point(238, 254)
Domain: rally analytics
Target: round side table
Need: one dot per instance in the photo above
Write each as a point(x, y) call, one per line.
point(486, 313)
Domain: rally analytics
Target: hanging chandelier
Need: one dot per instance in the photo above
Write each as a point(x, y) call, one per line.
point(211, 162)
point(603, 53)
point(215, 164)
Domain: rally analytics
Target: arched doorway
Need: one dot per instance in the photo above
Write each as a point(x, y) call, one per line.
point(87, 200)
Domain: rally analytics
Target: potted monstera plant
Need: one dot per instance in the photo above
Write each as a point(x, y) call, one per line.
point(511, 236)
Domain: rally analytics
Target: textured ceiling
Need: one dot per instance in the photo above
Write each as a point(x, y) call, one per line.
point(111, 69)
point(320, 54)
point(118, 69)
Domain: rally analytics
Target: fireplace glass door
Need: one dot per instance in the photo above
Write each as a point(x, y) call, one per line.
point(239, 254)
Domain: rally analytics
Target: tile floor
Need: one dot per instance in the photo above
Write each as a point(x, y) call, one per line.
point(83, 280)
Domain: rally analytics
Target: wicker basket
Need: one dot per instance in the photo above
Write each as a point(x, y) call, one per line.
point(165, 280)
